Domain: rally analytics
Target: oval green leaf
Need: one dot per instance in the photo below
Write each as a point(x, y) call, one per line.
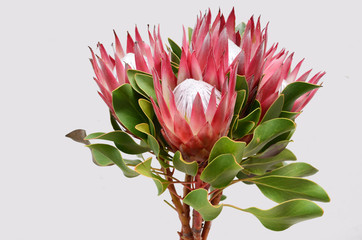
point(180, 164)
point(123, 141)
point(145, 83)
point(286, 214)
point(221, 171)
point(225, 145)
point(266, 132)
point(300, 169)
point(125, 104)
point(274, 110)
point(259, 165)
point(144, 169)
point(281, 188)
point(113, 155)
point(293, 91)
point(197, 199)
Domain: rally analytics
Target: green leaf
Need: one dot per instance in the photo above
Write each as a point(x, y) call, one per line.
point(221, 171)
point(113, 155)
point(293, 91)
point(281, 188)
point(242, 129)
point(299, 169)
point(259, 165)
point(283, 138)
point(266, 132)
point(175, 68)
point(180, 164)
point(123, 141)
point(125, 104)
point(274, 110)
point(246, 124)
point(286, 214)
point(197, 199)
point(151, 140)
point(240, 98)
point(225, 145)
point(175, 48)
point(274, 149)
point(145, 83)
point(290, 115)
point(144, 169)
point(242, 84)
point(131, 74)
point(147, 109)
point(101, 160)
point(114, 122)
point(175, 58)
point(132, 162)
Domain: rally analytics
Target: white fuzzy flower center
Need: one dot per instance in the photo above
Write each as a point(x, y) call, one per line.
point(186, 92)
point(233, 51)
point(283, 85)
point(130, 59)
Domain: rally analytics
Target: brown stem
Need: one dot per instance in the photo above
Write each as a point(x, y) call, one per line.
point(187, 189)
point(197, 219)
point(186, 233)
point(207, 226)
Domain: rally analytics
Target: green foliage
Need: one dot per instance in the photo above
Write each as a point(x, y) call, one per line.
point(290, 115)
point(221, 171)
point(175, 48)
point(151, 140)
point(144, 169)
point(225, 145)
point(122, 140)
point(246, 124)
point(131, 74)
point(286, 214)
point(109, 153)
point(300, 169)
point(125, 104)
point(282, 188)
point(240, 99)
point(266, 132)
point(147, 109)
point(145, 83)
point(274, 110)
point(180, 164)
point(259, 165)
point(197, 199)
point(293, 91)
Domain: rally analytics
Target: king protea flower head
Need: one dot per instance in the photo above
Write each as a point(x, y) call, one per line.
point(267, 72)
point(278, 74)
point(195, 109)
point(111, 72)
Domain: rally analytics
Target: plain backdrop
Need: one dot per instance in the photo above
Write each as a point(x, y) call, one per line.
point(50, 189)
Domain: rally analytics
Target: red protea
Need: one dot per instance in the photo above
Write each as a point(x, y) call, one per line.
point(111, 72)
point(195, 109)
point(267, 72)
point(278, 74)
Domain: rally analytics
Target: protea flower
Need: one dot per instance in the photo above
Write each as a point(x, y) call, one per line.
point(278, 74)
point(195, 109)
point(267, 72)
point(111, 72)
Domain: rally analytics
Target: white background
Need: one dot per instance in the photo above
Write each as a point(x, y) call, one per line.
point(50, 189)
